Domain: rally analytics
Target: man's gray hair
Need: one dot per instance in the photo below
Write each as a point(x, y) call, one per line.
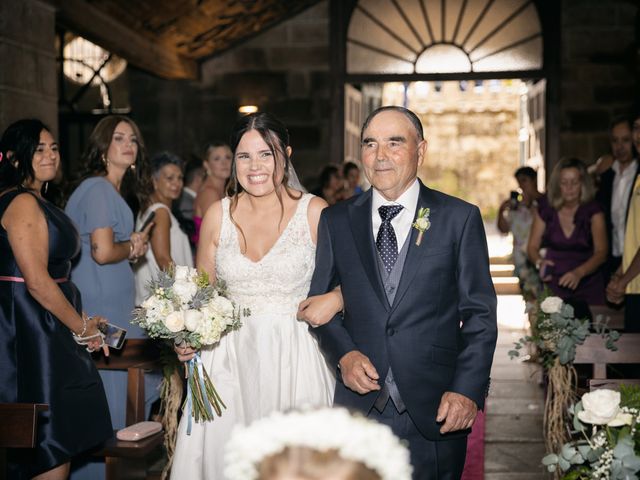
point(413, 118)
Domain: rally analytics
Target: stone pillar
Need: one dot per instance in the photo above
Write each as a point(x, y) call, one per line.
point(28, 84)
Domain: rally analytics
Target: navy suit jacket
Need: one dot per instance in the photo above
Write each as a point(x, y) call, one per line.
point(445, 281)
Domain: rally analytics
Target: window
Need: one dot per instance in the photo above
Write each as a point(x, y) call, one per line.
point(444, 36)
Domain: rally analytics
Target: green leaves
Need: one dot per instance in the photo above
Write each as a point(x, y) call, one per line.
point(557, 335)
point(630, 396)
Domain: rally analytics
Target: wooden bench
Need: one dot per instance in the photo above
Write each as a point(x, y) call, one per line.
point(593, 352)
point(128, 460)
point(616, 316)
point(611, 384)
point(18, 428)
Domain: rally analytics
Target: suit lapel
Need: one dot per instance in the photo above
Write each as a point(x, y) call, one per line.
point(415, 253)
point(360, 221)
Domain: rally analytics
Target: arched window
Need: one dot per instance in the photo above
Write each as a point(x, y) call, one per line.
point(443, 36)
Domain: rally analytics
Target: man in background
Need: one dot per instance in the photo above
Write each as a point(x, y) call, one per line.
point(614, 193)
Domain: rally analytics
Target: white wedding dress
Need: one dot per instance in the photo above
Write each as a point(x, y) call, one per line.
point(272, 362)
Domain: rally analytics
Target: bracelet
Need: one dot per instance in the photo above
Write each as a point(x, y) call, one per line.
point(84, 327)
point(130, 249)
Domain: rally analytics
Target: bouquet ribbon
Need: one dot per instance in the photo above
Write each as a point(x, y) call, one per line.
point(202, 398)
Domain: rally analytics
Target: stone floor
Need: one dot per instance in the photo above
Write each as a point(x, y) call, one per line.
point(513, 436)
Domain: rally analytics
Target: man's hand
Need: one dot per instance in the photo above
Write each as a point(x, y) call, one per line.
point(616, 289)
point(358, 373)
point(456, 411)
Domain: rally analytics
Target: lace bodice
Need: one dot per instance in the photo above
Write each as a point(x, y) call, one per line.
point(281, 279)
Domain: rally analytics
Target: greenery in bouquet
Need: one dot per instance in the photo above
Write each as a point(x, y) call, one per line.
point(184, 308)
point(555, 332)
point(605, 441)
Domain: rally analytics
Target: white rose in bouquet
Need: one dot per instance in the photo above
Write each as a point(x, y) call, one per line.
point(600, 407)
point(152, 306)
point(224, 306)
point(183, 273)
point(621, 419)
point(174, 321)
point(551, 305)
point(192, 320)
point(185, 290)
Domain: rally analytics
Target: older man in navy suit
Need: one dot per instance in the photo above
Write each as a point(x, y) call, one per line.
point(415, 341)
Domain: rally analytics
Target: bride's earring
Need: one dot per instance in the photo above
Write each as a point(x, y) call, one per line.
point(133, 167)
point(104, 160)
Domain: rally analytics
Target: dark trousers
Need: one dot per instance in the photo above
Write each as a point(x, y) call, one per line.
point(632, 313)
point(441, 460)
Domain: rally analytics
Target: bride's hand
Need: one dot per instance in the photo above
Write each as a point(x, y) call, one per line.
point(320, 309)
point(184, 352)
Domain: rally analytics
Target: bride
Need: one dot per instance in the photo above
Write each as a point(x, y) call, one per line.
point(261, 241)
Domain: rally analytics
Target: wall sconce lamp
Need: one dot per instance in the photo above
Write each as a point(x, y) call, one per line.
point(247, 109)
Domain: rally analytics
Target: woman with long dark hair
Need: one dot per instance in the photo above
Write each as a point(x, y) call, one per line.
point(260, 240)
point(41, 312)
point(115, 168)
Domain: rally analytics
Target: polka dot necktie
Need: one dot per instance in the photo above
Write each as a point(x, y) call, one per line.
point(386, 241)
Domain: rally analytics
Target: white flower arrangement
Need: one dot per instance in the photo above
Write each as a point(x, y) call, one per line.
point(556, 332)
point(551, 305)
point(354, 437)
point(183, 307)
point(608, 452)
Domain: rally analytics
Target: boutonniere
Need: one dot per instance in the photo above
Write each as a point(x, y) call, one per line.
point(421, 224)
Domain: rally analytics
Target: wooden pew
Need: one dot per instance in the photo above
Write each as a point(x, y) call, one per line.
point(593, 352)
point(128, 460)
point(136, 356)
point(611, 384)
point(18, 428)
point(616, 316)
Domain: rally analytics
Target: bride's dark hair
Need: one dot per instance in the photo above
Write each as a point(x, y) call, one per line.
point(276, 136)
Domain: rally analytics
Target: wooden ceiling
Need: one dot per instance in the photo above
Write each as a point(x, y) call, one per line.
point(169, 37)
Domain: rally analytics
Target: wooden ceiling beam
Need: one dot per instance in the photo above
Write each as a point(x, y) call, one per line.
point(100, 28)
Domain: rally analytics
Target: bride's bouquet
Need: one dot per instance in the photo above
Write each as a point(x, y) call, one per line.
point(184, 308)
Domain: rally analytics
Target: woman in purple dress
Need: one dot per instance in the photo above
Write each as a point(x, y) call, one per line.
point(570, 225)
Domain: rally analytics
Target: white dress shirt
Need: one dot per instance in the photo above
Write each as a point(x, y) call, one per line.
point(401, 223)
point(622, 183)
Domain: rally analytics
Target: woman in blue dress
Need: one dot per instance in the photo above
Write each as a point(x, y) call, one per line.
point(41, 313)
point(115, 168)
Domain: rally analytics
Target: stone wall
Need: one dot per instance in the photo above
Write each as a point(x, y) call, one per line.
point(284, 70)
point(599, 78)
point(27, 62)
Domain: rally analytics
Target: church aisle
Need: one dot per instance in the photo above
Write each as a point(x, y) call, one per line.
point(513, 437)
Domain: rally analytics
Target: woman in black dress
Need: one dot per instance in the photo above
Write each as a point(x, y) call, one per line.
point(43, 333)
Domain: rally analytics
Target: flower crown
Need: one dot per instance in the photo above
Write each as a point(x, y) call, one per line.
point(354, 437)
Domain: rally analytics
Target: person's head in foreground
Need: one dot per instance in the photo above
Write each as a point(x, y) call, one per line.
point(323, 444)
